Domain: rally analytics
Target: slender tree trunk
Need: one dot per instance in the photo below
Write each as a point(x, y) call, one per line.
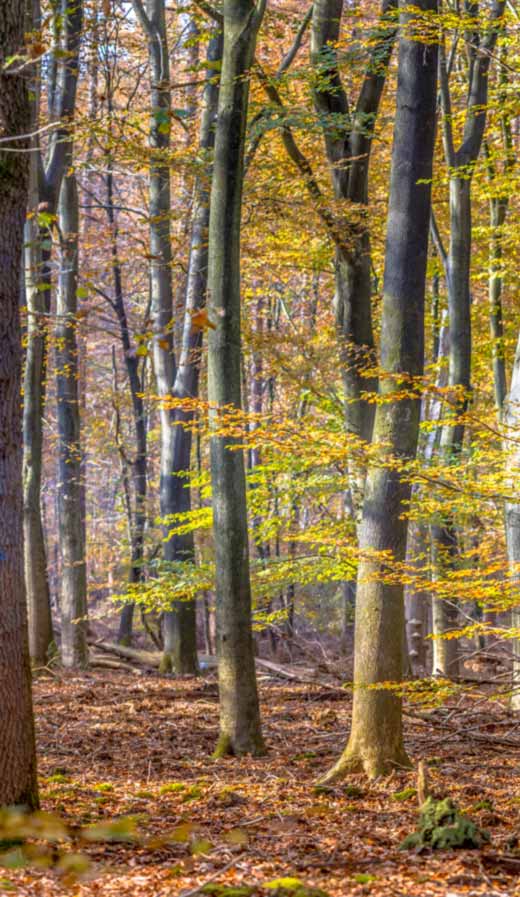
point(37, 273)
point(376, 742)
point(138, 465)
point(18, 783)
point(416, 601)
point(180, 633)
point(74, 651)
point(48, 174)
point(498, 212)
point(348, 150)
point(512, 512)
point(461, 164)
point(240, 730)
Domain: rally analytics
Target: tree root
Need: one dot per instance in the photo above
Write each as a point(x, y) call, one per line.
point(373, 764)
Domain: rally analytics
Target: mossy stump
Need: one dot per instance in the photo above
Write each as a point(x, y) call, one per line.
point(443, 827)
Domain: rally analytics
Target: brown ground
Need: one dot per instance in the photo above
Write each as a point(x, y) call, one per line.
point(113, 741)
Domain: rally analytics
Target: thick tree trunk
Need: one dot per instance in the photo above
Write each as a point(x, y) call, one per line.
point(18, 784)
point(73, 604)
point(376, 743)
point(240, 730)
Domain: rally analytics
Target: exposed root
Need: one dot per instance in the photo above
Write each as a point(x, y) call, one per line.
point(372, 764)
point(226, 747)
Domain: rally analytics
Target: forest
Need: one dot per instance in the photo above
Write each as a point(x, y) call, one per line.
point(259, 448)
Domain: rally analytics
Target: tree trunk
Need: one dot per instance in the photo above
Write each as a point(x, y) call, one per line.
point(498, 212)
point(18, 783)
point(180, 634)
point(138, 465)
point(37, 273)
point(240, 730)
point(512, 512)
point(376, 742)
point(74, 651)
point(461, 164)
point(62, 75)
point(348, 149)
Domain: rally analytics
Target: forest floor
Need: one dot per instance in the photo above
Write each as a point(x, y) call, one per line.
point(115, 744)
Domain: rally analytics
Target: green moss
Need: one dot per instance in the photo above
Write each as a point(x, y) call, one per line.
point(172, 788)
point(443, 827)
point(406, 794)
point(166, 664)
point(482, 805)
point(192, 793)
point(353, 791)
point(292, 887)
point(364, 878)
point(103, 786)
point(215, 890)
point(58, 778)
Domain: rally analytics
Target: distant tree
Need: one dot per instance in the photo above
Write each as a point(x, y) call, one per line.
point(49, 168)
point(17, 748)
point(71, 511)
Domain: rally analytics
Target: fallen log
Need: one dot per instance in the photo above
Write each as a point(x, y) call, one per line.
point(152, 659)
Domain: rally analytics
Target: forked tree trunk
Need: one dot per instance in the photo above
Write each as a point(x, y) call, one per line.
point(18, 784)
point(376, 743)
point(240, 729)
point(73, 604)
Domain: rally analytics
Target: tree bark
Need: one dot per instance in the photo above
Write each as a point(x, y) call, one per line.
point(48, 175)
point(138, 463)
point(376, 742)
point(180, 634)
point(348, 144)
point(461, 163)
point(240, 729)
point(71, 519)
point(18, 783)
point(512, 512)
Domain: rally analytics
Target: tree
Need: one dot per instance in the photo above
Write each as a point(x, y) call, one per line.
point(71, 511)
point(376, 743)
point(47, 176)
point(461, 163)
point(180, 634)
point(18, 783)
point(240, 731)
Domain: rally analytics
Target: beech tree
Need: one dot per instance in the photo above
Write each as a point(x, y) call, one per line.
point(375, 744)
point(17, 749)
point(240, 731)
point(48, 171)
point(71, 506)
point(461, 162)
